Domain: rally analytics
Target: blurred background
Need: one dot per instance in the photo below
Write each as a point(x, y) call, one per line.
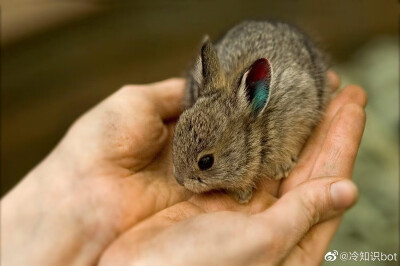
point(59, 58)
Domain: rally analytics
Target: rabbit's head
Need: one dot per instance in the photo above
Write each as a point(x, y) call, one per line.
point(214, 145)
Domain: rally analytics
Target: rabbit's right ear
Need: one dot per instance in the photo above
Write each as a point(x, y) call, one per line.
point(254, 88)
point(207, 71)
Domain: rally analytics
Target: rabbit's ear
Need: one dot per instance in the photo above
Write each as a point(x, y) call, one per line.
point(206, 71)
point(254, 85)
point(211, 70)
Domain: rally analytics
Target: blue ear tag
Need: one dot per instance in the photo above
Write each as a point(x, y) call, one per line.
point(261, 93)
point(257, 84)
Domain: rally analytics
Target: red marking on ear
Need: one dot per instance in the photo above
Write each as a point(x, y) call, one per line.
point(260, 69)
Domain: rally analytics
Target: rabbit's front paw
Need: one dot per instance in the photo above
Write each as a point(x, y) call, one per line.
point(284, 169)
point(243, 196)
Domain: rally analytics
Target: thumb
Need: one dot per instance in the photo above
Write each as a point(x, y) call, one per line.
point(292, 216)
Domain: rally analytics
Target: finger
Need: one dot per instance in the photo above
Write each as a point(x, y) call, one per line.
point(313, 246)
point(167, 97)
point(337, 159)
point(341, 145)
point(162, 163)
point(333, 80)
point(350, 94)
point(128, 127)
point(153, 188)
point(292, 216)
point(311, 150)
point(161, 167)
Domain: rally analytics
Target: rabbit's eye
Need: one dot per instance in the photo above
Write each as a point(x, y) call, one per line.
point(206, 162)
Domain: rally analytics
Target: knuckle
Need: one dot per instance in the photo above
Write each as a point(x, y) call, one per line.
point(124, 90)
point(128, 87)
point(129, 95)
point(314, 203)
point(311, 213)
point(129, 90)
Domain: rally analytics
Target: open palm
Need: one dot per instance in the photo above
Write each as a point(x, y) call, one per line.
point(178, 234)
point(110, 183)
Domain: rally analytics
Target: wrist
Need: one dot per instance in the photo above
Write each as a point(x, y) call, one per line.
point(51, 207)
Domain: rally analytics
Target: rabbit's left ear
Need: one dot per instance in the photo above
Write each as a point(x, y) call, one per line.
point(206, 71)
point(254, 85)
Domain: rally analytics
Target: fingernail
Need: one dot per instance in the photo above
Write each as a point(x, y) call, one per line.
point(344, 194)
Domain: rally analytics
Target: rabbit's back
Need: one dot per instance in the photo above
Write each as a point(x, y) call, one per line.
point(298, 87)
point(283, 45)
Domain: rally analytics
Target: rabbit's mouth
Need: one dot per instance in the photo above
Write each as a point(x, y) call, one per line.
point(196, 184)
point(200, 180)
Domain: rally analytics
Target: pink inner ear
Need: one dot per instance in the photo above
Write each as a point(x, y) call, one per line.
point(259, 70)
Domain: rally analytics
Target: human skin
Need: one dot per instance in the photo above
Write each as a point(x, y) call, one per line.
point(107, 194)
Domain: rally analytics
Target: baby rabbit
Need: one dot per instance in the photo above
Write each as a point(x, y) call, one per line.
point(251, 100)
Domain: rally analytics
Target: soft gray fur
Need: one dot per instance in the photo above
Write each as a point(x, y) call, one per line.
point(219, 121)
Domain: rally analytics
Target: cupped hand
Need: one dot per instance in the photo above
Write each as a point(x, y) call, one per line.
point(289, 222)
point(113, 170)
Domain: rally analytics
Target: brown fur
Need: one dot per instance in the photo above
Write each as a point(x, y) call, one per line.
point(219, 120)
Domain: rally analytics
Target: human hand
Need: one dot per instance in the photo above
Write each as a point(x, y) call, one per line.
point(112, 170)
point(296, 229)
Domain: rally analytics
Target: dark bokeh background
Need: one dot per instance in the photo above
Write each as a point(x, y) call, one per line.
point(51, 76)
point(59, 59)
